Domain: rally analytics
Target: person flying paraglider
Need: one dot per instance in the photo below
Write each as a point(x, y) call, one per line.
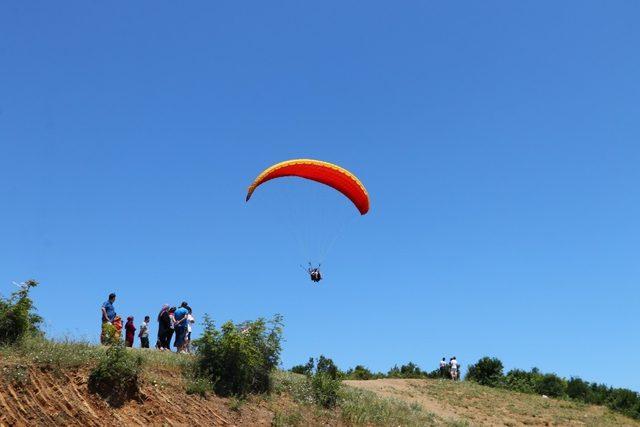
point(325, 173)
point(314, 272)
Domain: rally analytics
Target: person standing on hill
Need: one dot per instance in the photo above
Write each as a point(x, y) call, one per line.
point(443, 368)
point(454, 368)
point(108, 316)
point(144, 333)
point(171, 326)
point(130, 332)
point(162, 327)
point(181, 327)
point(190, 321)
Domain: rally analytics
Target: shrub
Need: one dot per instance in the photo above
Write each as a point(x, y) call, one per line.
point(410, 370)
point(578, 389)
point(326, 366)
point(522, 381)
point(551, 385)
point(487, 371)
point(17, 315)
point(360, 373)
point(624, 401)
point(598, 394)
point(325, 389)
point(116, 378)
point(239, 359)
point(304, 369)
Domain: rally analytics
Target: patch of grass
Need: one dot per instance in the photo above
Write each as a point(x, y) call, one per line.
point(286, 419)
point(16, 375)
point(116, 378)
point(235, 403)
point(364, 407)
point(200, 386)
point(54, 355)
point(295, 385)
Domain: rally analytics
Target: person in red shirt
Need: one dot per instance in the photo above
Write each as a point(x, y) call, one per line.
point(130, 330)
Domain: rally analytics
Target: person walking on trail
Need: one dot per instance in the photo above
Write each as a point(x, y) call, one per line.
point(163, 326)
point(108, 316)
point(130, 332)
point(180, 327)
point(144, 333)
point(443, 368)
point(454, 368)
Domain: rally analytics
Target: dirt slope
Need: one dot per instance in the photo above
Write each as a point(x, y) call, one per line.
point(470, 403)
point(62, 398)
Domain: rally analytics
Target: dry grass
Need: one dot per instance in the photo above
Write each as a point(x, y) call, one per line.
point(466, 402)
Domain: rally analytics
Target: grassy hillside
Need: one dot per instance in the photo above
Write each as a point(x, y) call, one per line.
point(468, 403)
point(45, 383)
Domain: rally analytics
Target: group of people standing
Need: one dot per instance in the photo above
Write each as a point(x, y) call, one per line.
point(450, 370)
point(178, 321)
point(171, 321)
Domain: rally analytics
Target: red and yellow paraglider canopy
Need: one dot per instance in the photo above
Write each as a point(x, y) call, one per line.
point(323, 172)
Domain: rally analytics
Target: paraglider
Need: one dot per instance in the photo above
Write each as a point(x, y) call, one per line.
point(325, 173)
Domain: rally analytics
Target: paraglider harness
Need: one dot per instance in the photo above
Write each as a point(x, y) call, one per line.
point(314, 273)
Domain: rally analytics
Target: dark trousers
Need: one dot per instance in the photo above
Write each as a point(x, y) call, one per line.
point(144, 342)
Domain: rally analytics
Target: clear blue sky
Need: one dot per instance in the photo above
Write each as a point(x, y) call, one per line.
point(500, 143)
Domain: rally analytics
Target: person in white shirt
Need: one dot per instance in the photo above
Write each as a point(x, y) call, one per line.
point(190, 321)
point(144, 333)
point(454, 368)
point(443, 368)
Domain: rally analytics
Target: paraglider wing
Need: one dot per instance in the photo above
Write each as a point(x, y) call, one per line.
point(326, 173)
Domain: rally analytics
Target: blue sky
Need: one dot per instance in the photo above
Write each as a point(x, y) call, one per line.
point(499, 142)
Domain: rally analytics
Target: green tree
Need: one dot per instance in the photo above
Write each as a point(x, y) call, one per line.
point(238, 359)
point(17, 315)
point(487, 371)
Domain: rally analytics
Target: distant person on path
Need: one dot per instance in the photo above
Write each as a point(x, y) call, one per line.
point(443, 368)
point(454, 368)
point(163, 326)
point(144, 333)
point(108, 316)
point(180, 327)
point(130, 332)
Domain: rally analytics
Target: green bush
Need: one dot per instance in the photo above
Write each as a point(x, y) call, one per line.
point(578, 389)
point(17, 316)
point(410, 370)
point(326, 366)
point(116, 378)
point(598, 394)
point(487, 371)
point(238, 360)
point(360, 373)
point(522, 381)
point(304, 369)
point(325, 389)
point(551, 385)
point(624, 401)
